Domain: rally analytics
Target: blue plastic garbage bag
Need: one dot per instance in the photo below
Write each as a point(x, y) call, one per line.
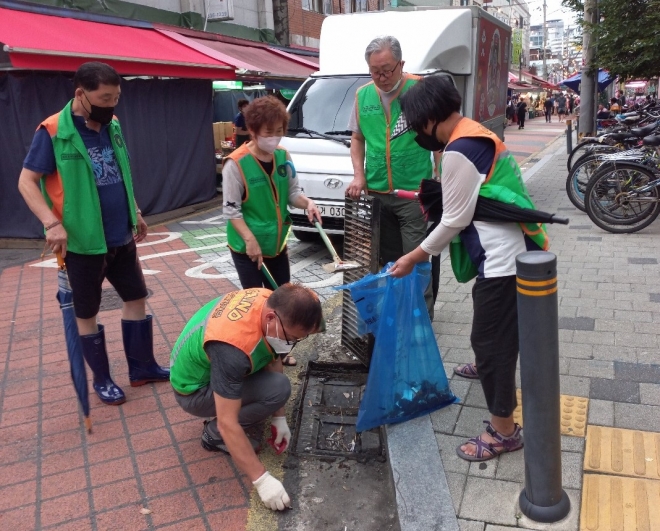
point(406, 375)
point(368, 294)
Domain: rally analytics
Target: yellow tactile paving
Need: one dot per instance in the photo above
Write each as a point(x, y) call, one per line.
point(612, 503)
point(622, 452)
point(573, 414)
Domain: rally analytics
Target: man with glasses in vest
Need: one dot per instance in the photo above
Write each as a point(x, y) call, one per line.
point(385, 155)
point(227, 364)
point(76, 179)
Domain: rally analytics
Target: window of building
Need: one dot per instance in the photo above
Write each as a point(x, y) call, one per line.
point(318, 6)
point(359, 6)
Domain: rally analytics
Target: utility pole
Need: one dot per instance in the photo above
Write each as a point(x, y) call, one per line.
point(588, 85)
point(545, 42)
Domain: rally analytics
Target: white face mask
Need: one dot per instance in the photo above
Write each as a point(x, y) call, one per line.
point(279, 345)
point(393, 89)
point(268, 143)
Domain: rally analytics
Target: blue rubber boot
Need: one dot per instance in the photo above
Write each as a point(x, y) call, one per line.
point(139, 347)
point(96, 356)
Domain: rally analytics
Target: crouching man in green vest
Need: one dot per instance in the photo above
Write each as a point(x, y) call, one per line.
point(76, 179)
point(385, 155)
point(227, 363)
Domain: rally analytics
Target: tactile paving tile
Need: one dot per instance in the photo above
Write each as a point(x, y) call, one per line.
point(612, 503)
point(622, 452)
point(573, 414)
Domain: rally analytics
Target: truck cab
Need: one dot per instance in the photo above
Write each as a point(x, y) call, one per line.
point(465, 43)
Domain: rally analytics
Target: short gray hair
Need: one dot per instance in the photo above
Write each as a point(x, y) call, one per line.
point(381, 43)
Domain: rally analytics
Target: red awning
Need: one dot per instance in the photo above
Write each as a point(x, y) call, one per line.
point(43, 42)
point(253, 58)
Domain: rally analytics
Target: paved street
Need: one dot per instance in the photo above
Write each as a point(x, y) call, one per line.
point(143, 467)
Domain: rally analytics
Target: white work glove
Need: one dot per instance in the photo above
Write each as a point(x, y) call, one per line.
point(281, 434)
point(272, 493)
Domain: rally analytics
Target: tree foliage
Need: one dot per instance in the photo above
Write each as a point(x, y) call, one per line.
point(627, 38)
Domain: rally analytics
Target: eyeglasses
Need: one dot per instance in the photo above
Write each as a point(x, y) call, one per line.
point(384, 73)
point(292, 342)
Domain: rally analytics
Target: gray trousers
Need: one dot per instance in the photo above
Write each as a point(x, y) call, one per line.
point(402, 229)
point(263, 393)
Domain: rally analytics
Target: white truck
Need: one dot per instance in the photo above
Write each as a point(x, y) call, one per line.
point(465, 43)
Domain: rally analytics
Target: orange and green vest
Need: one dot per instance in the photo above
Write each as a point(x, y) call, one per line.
point(70, 191)
point(390, 164)
point(264, 208)
point(234, 319)
point(503, 183)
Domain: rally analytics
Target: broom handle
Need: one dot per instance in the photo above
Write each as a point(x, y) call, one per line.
point(406, 195)
point(60, 260)
point(268, 276)
point(328, 243)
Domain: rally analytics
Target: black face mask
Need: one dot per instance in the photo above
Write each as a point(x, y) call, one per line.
point(429, 142)
point(102, 115)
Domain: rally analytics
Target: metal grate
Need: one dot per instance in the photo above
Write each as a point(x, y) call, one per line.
point(362, 245)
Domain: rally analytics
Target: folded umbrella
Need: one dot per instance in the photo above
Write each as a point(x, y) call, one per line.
point(430, 199)
point(73, 344)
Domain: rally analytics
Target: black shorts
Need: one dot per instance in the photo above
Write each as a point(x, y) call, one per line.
point(120, 265)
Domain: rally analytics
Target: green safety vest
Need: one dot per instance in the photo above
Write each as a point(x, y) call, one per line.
point(503, 183)
point(71, 191)
point(234, 318)
point(390, 164)
point(265, 205)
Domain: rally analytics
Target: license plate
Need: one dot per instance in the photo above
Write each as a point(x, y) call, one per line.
point(330, 211)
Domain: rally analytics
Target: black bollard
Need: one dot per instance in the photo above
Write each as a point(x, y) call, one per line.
point(543, 498)
point(569, 136)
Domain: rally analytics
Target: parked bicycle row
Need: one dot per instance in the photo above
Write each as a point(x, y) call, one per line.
point(615, 177)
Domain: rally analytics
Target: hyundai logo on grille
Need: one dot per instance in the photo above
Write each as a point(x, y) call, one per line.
point(333, 184)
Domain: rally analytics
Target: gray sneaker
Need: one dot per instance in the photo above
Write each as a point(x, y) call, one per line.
point(214, 443)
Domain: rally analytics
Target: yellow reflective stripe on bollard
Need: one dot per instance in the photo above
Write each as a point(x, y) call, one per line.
point(551, 284)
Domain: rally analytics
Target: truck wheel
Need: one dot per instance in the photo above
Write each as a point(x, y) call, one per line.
point(307, 237)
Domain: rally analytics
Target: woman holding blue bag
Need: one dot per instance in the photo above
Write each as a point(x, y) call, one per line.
point(476, 163)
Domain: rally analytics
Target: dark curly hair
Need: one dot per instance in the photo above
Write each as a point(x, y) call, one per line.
point(265, 111)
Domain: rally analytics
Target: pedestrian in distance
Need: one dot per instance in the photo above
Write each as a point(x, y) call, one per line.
point(80, 160)
point(227, 365)
point(561, 107)
point(615, 108)
point(571, 104)
point(385, 155)
point(259, 184)
point(547, 107)
point(476, 163)
point(241, 134)
point(522, 113)
point(603, 113)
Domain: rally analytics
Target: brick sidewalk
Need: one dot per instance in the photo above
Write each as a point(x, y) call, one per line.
point(143, 454)
point(609, 314)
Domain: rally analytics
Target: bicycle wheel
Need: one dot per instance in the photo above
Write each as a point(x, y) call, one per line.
point(586, 147)
point(578, 177)
point(622, 198)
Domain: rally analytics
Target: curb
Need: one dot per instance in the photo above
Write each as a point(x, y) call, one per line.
point(422, 494)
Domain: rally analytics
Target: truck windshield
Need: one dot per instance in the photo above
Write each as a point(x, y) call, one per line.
point(324, 104)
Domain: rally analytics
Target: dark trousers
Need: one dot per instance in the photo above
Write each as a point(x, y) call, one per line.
point(262, 394)
point(548, 114)
point(494, 340)
point(251, 277)
point(521, 120)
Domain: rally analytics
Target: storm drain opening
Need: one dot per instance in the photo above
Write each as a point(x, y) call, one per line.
point(328, 411)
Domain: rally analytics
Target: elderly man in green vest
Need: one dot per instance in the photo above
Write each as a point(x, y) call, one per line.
point(385, 155)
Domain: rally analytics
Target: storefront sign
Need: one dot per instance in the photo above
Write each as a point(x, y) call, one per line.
point(227, 85)
point(287, 93)
point(220, 10)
